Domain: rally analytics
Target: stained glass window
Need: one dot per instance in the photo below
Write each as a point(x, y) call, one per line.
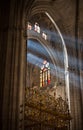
point(45, 74)
point(37, 28)
point(29, 26)
point(44, 35)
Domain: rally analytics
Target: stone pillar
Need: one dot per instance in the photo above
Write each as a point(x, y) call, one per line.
point(75, 99)
point(14, 72)
point(13, 98)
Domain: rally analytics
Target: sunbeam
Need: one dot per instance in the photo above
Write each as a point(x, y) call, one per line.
point(61, 71)
point(54, 37)
point(36, 47)
point(34, 60)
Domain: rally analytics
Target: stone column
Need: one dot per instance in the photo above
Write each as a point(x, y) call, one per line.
point(75, 99)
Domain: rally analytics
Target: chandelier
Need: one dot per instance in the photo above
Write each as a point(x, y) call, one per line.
point(43, 109)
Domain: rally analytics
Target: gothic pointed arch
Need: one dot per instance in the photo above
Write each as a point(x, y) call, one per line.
point(55, 37)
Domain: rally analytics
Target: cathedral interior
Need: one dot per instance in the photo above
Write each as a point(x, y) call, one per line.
point(41, 65)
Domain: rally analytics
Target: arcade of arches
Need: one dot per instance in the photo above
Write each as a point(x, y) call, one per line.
point(41, 65)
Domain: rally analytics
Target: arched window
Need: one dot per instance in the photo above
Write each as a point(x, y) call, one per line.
point(44, 35)
point(29, 26)
point(45, 74)
point(37, 28)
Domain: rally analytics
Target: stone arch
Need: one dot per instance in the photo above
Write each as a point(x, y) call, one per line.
point(45, 8)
